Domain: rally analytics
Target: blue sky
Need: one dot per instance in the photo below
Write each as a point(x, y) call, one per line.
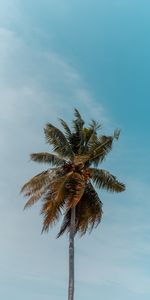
point(54, 56)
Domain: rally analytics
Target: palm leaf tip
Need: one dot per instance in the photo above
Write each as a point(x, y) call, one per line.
point(122, 187)
point(58, 140)
point(77, 114)
point(78, 117)
point(50, 218)
point(66, 128)
point(94, 125)
point(103, 179)
point(117, 133)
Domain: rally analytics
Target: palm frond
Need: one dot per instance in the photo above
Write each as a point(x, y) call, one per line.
point(66, 129)
point(54, 201)
point(117, 134)
point(41, 180)
point(94, 125)
point(90, 135)
point(93, 128)
point(39, 185)
point(80, 159)
point(99, 148)
point(35, 197)
point(75, 188)
point(57, 139)
point(88, 213)
point(77, 137)
point(50, 215)
point(35, 183)
point(44, 157)
point(103, 179)
point(59, 189)
point(78, 116)
point(65, 224)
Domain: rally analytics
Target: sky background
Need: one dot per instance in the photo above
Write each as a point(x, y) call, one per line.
point(54, 56)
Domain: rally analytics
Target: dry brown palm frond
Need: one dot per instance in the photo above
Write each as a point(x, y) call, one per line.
point(75, 188)
point(65, 224)
point(59, 188)
point(89, 210)
point(36, 196)
point(80, 159)
point(103, 179)
point(51, 212)
point(53, 201)
point(47, 202)
point(40, 180)
point(51, 216)
point(44, 157)
point(88, 213)
point(35, 183)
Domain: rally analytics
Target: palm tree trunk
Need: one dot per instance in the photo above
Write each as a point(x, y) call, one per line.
point(71, 256)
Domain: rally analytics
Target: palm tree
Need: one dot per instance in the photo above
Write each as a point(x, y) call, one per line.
point(67, 187)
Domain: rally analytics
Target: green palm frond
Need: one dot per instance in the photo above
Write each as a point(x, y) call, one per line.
point(92, 129)
point(78, 117)
point(57, 139)
point(77, 137)
point(95, 126)
point(44, 157)
point(103, 179)
point(90, 136)
point(99, 148)
point(66, 129)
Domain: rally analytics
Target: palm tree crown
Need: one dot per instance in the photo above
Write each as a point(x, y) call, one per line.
point(69, 183)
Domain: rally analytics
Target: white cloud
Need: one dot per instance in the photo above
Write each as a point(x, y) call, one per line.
point(42, 79)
